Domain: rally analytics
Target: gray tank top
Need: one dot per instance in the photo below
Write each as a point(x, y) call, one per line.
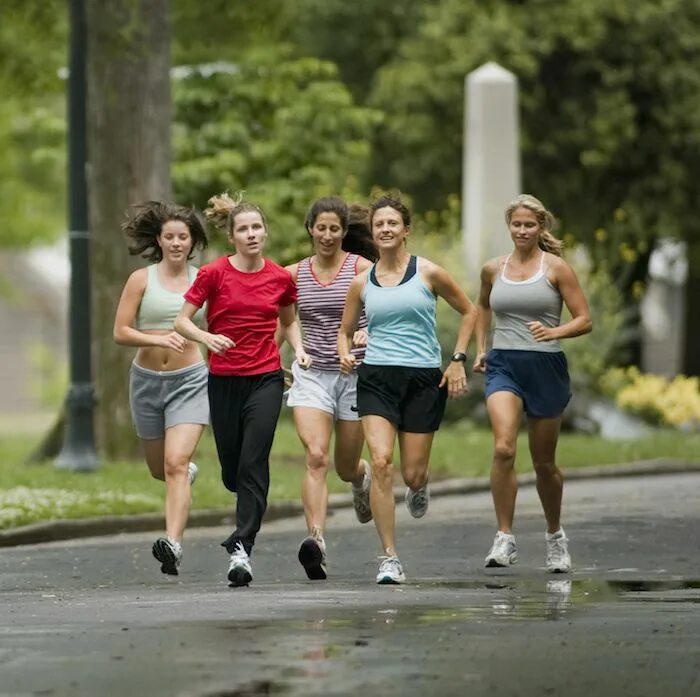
point(515, 303)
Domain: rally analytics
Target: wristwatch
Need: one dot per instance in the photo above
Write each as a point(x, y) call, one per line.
point(461, 357)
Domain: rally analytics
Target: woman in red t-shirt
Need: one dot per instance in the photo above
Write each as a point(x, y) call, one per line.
point(245, 294)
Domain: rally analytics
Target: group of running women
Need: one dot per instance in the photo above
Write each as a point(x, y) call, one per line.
point(360, 316)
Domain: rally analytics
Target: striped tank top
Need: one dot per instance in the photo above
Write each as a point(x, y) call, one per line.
point(321, 310)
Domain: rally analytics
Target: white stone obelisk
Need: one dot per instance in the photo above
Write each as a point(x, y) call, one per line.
point(491, 162)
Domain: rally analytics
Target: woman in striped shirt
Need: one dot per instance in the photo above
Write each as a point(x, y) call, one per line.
point(323, 398)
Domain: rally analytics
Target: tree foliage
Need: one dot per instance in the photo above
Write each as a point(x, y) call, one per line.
point(284, 132)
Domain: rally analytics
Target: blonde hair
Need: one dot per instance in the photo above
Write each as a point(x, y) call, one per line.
point(223, 209)
point(547, 242)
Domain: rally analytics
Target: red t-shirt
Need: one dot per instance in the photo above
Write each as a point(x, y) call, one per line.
point(244, 307)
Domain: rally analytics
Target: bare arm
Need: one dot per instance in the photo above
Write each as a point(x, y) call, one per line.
point(574, 299)
point(124, 332)
point(290, 328)
point(446, 287)
point(483, 313)
point(216, 343)
point(280, 336)
point(348, 325)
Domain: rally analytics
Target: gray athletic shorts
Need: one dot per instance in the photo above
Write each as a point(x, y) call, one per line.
point(332, 392)
point(161, 399)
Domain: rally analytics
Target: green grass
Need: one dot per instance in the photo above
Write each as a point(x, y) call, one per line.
point(29, 493)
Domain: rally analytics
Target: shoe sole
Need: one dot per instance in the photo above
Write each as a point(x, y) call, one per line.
point(311, 558)
point(389, 581)
point(493, 563)
point(559, 570)
point(362, 519)
point(168, 562)
point(239, 577)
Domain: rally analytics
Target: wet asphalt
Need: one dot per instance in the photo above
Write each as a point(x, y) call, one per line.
point(96, 617)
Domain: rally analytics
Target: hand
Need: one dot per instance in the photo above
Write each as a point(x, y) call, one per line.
point(540, 332)
point(480, 362)
point(456, 379)
point(218, 343)
point(173, 341)
point(359, 338)
point(303, 359)
point(347, 363)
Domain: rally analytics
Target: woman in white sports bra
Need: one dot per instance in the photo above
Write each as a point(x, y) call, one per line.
point(526, 370)
point(168, 378)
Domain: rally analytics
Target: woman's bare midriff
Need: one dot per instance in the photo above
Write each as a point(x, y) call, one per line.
point(162, 359)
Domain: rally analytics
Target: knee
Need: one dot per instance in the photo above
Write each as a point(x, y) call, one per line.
point(416, 478)
point(504, 452)
point(317, 461)
point(383, 469)
point(176, 465)
point(544, 469)
point(229, 481)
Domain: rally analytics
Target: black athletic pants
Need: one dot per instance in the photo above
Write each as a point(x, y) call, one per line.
point(244, 413)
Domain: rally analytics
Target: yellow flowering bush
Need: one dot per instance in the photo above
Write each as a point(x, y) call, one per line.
point(673, 402)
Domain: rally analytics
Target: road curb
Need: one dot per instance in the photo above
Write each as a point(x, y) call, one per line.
point(52, 531)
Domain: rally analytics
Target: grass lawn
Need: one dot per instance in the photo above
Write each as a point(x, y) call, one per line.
point(29, 493)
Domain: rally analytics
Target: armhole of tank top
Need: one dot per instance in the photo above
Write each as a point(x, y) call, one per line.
point(372, 276)
point(357, 263)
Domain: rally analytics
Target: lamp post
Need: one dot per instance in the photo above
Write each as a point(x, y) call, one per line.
point(78, 452)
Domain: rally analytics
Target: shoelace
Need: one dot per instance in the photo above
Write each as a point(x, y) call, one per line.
point(389, 564)
point(239, 553)
point(556, 548)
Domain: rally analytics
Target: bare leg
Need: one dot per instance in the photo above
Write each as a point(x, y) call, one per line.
point(314, 428)
point(349, 440)
point(154, 451)
point(415, 457)
point(505, 411)
point(543, 436)
point(380, 435)
point(180, 444)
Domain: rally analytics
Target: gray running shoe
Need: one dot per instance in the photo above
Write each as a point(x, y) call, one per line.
point(169, 554)
point(417, 501)
point(503, 551)
point(240, 572)
point(390, 571)
point(312, 556)
point(360, 497)
point(558, 557)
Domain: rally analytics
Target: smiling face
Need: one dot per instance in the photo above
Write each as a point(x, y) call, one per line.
point(249, 234)
point(388, 229)
point(524, 228)
point(175, 241)
point(327, 234)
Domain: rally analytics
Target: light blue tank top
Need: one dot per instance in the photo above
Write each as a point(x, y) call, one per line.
point(515, 303)
point(401, 323)
point(159, 306)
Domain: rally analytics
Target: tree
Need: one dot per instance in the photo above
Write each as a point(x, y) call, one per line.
point(129, 161)
point(284, 132)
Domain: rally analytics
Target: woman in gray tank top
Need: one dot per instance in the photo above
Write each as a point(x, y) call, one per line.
point(526, 370)
point(168, 378)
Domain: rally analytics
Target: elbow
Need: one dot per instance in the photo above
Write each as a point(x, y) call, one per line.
point(587, 325)
point(118, 336)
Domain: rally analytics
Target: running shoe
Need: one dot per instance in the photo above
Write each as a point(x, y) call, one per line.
point(312, 556)
point(558, 557)
point(390, 571)
point(503, 551)
point(240, 572)
point(192, 471)
point(169, 554)
point(417, 501)
point(360, 497)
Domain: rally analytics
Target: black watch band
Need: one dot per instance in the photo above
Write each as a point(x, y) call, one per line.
point(461, 357)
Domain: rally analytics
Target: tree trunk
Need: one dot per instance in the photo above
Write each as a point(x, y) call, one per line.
point(691, 358)
point(129, 117)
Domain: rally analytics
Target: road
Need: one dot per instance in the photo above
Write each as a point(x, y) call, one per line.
point(96, 617)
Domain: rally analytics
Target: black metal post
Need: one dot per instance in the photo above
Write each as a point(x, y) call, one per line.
point(78, 452)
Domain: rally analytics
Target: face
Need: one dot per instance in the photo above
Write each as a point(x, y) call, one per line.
point(175, 240)
point(327, 234)
point(524, 228)
point(388, 230)
point(249, 233)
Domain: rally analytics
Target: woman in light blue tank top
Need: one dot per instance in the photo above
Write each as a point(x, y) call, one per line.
point(526, 370)
point(168, 380)
point(401, 387)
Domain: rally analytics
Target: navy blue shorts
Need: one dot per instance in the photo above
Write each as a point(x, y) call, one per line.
point(540, 379)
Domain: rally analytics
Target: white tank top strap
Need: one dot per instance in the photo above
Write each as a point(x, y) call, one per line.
point(503, 267)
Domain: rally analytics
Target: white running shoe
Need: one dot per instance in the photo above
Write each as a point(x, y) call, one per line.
point(192, 471)
point(240, 572)
point(312, 556)
point(558, 557)
point(360, 497)
point(390, 571)
point(503, 551)
point(169, 554)
point(417, 501)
